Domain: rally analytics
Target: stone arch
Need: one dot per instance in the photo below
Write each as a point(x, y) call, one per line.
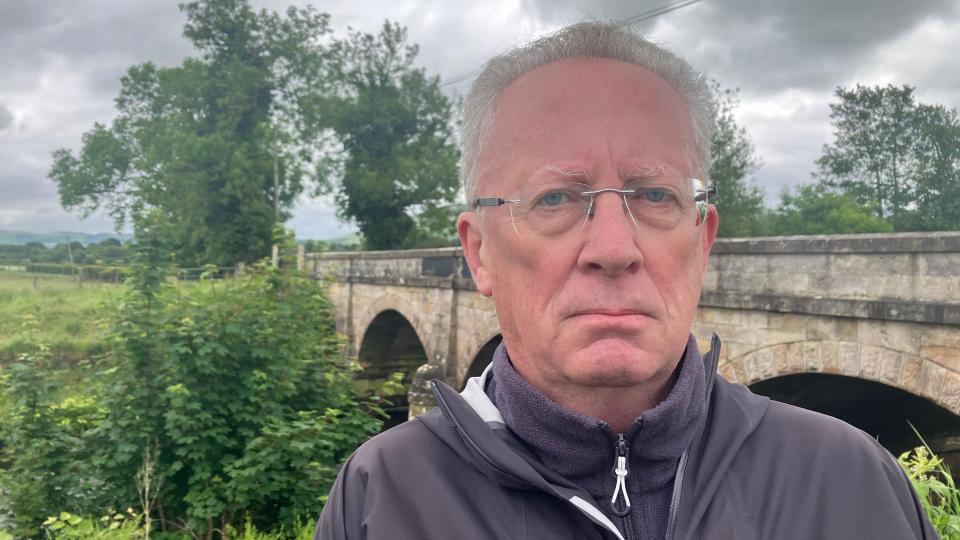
point(389, 302)
point(482, 358)
point(911, 373)
point(389, 344)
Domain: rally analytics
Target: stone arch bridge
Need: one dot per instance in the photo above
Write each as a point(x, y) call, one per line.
point(862, 327)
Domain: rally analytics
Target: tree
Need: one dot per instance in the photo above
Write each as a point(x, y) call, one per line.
point(899, 156)
point(396, 173)
point(740, 203)
point(220, 144)
point(815, 210)
point(937, 170)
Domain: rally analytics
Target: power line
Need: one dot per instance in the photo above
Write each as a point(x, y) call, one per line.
point(656, 12)
point(646, 15)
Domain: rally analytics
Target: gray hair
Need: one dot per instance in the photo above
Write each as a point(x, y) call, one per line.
point(586, 39)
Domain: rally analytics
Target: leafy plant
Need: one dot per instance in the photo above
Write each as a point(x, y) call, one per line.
point(43, 454)
point(936, 489)
point(113, 526)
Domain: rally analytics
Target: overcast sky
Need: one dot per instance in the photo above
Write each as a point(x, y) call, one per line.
point(61, 61)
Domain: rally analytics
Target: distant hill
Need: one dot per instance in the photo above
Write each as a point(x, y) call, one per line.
point(21, 237)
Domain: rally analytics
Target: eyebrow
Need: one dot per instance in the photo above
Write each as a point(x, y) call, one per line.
point(558, 169)
point(654, 168)
point(646, 171)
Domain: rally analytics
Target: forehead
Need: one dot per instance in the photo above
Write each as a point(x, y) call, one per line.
point(600, 116)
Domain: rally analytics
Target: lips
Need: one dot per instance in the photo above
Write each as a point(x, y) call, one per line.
point(609, 312)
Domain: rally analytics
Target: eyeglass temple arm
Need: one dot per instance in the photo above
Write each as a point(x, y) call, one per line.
point(705, 194)
point(493, 201)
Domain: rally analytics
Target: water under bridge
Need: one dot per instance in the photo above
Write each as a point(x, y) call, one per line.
point(862, 327)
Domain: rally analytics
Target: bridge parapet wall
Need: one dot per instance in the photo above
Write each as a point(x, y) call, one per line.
point(911, 277)
point(881, 307)
point(442, 268)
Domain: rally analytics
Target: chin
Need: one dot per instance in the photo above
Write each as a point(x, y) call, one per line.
point(612, 366)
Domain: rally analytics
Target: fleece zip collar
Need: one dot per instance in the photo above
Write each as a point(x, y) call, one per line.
point(496, 451)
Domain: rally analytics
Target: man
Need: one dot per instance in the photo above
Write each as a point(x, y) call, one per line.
point(598, 417)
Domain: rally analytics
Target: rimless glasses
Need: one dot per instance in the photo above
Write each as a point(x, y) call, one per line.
point(548, 210)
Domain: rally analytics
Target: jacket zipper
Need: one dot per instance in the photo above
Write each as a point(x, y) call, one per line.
point(620, 472)
point(628, 528)
point(621, 469)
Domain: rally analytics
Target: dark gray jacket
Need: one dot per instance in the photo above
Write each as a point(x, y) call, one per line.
point(757, 469)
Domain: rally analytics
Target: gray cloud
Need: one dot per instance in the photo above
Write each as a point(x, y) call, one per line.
point(770, 44)
point(62, 61)
point(809, 45)
point(6, 117)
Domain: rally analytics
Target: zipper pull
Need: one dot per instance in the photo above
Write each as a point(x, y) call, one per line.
point(620, 471)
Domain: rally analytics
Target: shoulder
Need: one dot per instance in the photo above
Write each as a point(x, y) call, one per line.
point(410, 445)
point(810, 437)
point(779, 431)
point(381, 472)
point(820, 466)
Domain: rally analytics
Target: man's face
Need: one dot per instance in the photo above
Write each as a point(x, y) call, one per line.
point(610, 304)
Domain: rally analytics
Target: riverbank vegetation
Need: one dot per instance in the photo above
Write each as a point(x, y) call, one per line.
point(224, 406)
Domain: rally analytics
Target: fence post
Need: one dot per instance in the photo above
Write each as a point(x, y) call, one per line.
point(301, 256)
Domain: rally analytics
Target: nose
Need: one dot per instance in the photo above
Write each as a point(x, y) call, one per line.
point(610, 238)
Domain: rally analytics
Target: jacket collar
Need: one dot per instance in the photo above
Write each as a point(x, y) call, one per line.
point(583, 448)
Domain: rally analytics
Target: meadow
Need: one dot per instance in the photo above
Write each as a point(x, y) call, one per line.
point(56, 310)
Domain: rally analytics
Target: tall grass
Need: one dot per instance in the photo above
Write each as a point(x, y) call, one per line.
point(935, 487)
point(52, 309)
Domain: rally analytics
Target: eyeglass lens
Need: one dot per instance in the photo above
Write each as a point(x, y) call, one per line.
point(549, 210)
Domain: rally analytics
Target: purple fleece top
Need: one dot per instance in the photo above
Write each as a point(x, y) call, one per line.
point(582, 448)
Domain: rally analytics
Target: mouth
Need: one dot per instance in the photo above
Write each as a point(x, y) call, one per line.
point(610, 313)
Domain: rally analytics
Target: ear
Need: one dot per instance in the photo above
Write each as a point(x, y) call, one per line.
point(710, 223)
point(471, 238)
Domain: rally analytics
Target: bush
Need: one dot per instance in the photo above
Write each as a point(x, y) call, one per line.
point(233, 397)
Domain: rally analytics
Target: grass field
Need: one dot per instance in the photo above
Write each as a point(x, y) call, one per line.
point(54, 310)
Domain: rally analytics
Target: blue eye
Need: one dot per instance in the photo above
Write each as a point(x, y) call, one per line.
point(553, 198)
point(655, 195)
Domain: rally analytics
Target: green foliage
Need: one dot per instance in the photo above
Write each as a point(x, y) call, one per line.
point(219, 143)
point(225, 401)
point(936, 489)
point(395, 174)
point(244, 390)
point(900, 157)
point(816, 210)
point(740, 203)
point(127, 526)
point(113, 526)
point(44, 452)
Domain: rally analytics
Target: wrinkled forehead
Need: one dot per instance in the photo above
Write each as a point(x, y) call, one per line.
point(597, 117)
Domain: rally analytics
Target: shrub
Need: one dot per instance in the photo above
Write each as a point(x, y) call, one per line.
point(234, 394)
point(936, 489)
